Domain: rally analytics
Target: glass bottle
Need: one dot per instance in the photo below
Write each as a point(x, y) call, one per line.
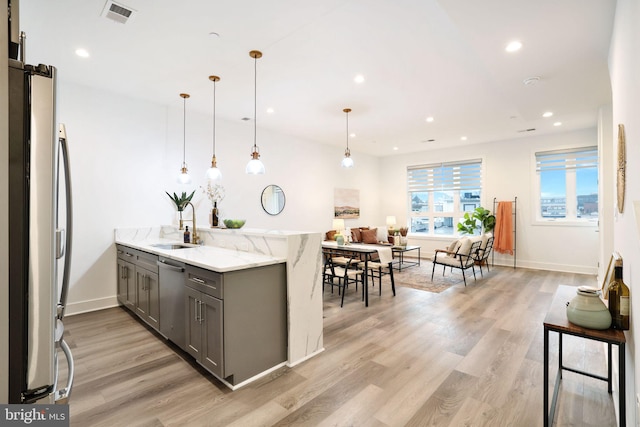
point(214, 215)
point(619, 299)
point(187, 234)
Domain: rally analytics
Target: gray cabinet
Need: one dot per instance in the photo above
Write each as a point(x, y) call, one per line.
point(126, 276)
point(236, 324)
point(147, 304)
point(204, 329)
point(138, 288)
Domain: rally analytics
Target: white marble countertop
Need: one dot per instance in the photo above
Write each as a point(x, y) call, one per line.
point(212, 258)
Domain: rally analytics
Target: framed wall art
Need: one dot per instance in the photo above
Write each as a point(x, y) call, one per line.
point(622, 163)
point(346, 203)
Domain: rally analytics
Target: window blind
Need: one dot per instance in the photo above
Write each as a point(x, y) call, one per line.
point(445, 176)
point(578, 158)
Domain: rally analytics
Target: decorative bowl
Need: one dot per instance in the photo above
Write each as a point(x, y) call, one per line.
point(234, 223)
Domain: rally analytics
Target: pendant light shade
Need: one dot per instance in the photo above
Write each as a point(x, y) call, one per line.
point(347, 162)
point(255, 166)
point(183, 177)
point(213, 173)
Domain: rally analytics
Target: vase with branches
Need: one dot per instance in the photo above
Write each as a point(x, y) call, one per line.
point(215, 193)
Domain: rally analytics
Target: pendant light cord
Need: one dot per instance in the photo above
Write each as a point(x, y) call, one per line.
point(214, 117)
point(255, 100)
point(184, 130)
point(347, 130)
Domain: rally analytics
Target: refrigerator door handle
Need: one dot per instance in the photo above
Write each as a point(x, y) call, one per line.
point(62, 395)
point(60, 234)
point(62, 135)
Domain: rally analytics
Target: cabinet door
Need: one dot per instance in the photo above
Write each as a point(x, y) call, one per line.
point(193, 324)
point(142, 296)
point(153, 299)
point(212, 356)
point(122, 282)
point(130, 297)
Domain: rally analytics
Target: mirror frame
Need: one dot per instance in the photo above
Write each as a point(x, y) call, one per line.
point(272, 187)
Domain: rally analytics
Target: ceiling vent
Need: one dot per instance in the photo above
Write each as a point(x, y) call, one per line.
point(118, 12)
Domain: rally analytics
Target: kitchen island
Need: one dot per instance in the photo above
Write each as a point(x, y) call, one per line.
point(232, 251)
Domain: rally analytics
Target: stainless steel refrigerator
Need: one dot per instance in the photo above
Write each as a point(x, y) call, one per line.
point(40, 216)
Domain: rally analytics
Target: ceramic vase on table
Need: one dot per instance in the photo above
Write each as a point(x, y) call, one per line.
point(586, 309)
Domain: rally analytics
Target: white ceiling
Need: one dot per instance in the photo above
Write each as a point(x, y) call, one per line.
point(440, 58)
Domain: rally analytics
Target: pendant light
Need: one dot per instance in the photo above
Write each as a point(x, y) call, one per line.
point(347, 162)
point(213, 173)
point(184, 177)
point(255, 166)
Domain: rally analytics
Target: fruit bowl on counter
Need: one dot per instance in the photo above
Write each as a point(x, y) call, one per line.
point(234, 223)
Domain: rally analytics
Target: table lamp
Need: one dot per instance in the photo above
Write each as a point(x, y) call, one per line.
point(391, 222)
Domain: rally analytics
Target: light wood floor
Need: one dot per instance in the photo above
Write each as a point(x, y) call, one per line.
point(466, 357)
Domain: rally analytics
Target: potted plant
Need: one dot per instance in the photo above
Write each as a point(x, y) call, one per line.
point(181, 202)
point(480, 215)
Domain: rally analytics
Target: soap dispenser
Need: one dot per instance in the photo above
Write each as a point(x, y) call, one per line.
point(187, 235)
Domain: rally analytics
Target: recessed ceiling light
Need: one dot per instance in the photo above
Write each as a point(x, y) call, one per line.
point(463, 138)
point(513, 46)
point(547, 114)
point(270, 110)
point(429, 119)
point(359, 78)
point(82, 53)
point(395, 148)
point(557, 124)
point(352, 135)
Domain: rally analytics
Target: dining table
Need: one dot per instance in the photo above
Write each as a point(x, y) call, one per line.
point(364, 252)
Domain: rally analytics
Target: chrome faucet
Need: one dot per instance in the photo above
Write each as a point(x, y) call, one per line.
point(194, 233)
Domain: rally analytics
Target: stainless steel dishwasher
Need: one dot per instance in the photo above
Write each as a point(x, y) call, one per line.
point(172, 315)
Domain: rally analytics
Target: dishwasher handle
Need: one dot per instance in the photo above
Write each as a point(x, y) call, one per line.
point(163, 264)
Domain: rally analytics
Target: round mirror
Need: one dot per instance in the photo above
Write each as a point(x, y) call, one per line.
point(273, 199)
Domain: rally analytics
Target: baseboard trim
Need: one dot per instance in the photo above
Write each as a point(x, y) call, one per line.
point(91, 305)
point(564, 268)
point(307, 357)
point(534, 265)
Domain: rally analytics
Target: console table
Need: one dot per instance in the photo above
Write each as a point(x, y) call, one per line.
point(556, 321)
point(400, 250)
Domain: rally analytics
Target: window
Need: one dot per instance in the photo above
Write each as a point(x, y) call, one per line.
point(440, 194)
point(568, 185)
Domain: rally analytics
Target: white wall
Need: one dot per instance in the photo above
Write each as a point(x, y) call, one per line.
point(624, 67)
point(508, 169)
point(125, 153)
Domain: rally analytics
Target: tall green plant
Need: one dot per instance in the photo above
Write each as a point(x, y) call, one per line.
point(181, 202)
point(480, 216)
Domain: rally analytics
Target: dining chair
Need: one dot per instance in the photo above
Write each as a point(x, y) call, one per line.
point(382, 267)
point(340, 274)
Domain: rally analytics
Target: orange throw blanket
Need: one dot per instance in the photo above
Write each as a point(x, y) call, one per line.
point(503, 241)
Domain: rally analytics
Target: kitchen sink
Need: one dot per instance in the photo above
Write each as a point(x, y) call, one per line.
point(172, 246)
